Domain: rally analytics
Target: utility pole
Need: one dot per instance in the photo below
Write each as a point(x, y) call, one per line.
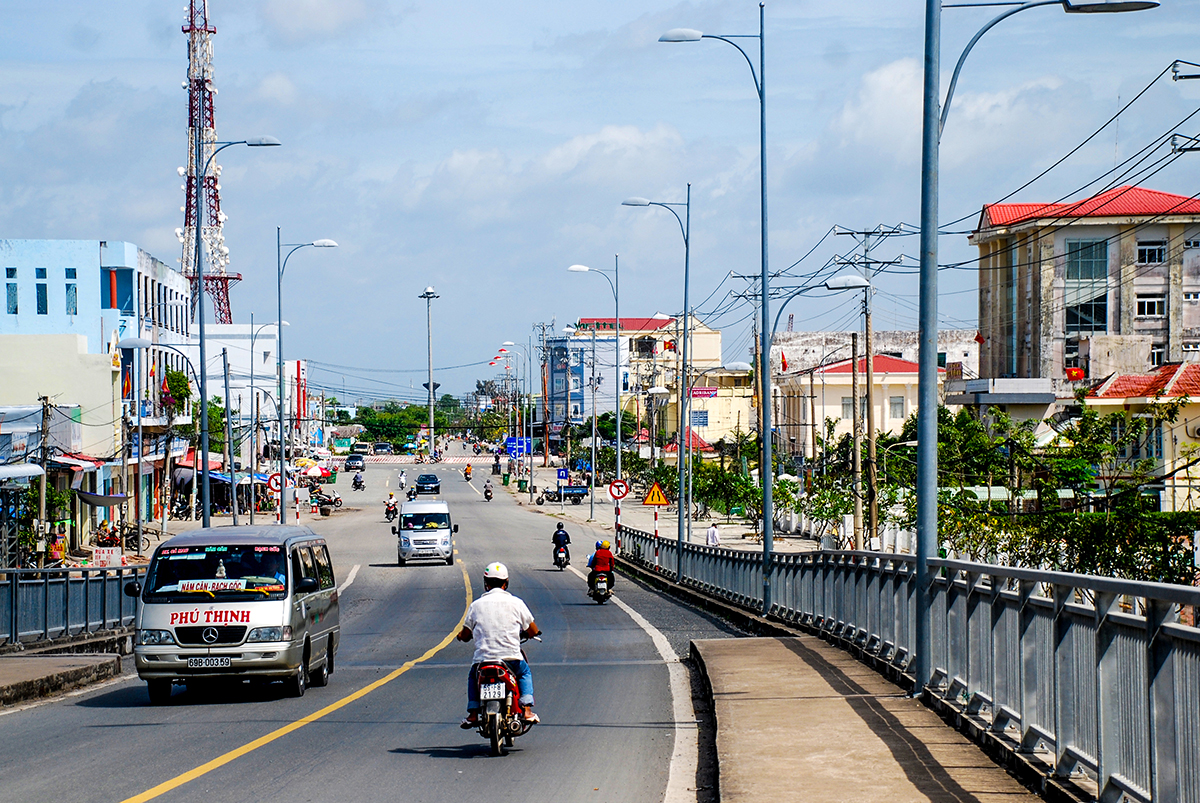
point(592, 473)
point(868, 272)
point(229, 441)
point(429, 296)
point(45, 400)
point(857, 462)
point(541, 328)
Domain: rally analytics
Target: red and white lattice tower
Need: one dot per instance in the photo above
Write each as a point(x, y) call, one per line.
point(200, 124)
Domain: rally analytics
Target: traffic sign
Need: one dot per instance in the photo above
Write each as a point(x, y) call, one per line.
point(655, 496)
point(563, 474)
point(618, 489)
point(273, 482)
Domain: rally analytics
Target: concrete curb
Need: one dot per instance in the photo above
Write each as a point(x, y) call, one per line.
point(119, 641)
point(57, 682)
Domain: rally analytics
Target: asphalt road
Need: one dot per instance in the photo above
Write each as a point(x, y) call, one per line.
point(602, 689)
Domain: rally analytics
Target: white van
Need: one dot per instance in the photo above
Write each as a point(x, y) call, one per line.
point(237, 602)
point(424, 532)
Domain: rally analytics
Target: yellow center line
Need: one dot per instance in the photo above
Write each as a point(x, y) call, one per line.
point(249, 747)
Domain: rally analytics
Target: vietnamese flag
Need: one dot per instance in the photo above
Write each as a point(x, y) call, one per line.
point(783, 359)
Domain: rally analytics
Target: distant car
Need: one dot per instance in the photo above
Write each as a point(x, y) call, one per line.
point(360, 448)
point(383, 448)
point(355, 462)
point(429, 484)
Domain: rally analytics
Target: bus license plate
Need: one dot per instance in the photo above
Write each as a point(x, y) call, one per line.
point(491, 691)
point(219, 662)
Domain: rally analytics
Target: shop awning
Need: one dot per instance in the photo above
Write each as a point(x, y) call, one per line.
point(20, 471)
point(76, 462)
point(259, 479)
point(99, 500)
point(188, 461)
point(216, 476)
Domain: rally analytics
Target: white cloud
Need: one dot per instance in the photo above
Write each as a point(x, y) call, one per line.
point(296, 21)
point(277, 88)
point(886, 113)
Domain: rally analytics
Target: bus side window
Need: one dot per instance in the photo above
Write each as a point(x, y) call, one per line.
point(324, 566)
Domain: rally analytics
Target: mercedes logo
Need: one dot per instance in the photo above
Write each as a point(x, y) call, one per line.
point(210, 635)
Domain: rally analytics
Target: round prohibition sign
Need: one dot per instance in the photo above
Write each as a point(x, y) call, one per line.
point(618, 489)
point(274, 482)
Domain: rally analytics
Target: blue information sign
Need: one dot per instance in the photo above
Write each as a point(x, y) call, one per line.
point(518, 445)
point(563, 475)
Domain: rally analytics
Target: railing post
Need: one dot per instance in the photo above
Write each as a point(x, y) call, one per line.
point(1161, 702)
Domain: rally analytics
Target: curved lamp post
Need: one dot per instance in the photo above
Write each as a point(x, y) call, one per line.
point(933, 119)
point(767, 469)
point(254, 404)
point(685, 226)
point(281, 266)
point(615, 285)
point(256, 142)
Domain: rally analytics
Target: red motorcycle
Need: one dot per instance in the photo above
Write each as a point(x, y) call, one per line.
point(503, 717)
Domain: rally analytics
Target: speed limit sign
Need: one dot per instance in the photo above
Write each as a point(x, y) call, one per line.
point(273, 482)
point(618, 489)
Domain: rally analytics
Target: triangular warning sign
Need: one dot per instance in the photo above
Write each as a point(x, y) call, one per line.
point(655, 496)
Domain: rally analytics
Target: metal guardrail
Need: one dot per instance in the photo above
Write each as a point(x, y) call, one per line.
point(52, 603)
point(1093, 679)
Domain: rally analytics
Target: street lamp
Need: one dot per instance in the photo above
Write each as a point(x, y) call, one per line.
point(685, 226)
point(525, 447)
point(615, 285)
point(429, 295)
point(254, 406)
point(256, 142)
point(281, 266)
point(167, 452)
point(764, 367)
point(933, 118)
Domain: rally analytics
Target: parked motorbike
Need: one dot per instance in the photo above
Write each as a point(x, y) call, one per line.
point(389, 510)
point(598, 588)
point(560, 558)
point(358, 484)
point(503, 717)
point(323, 498)
point(487, 494)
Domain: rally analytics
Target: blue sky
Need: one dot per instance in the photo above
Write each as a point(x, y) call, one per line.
point(483, 147)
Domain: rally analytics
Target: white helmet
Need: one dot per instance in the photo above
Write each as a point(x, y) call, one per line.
point(495, 571)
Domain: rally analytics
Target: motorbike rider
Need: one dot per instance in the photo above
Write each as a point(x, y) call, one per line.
point(561, 539)
point(467, 472)
point(391, 501)
point(498, 621)
point(358, 479)
point(487, 487)
point(601, 562)
point(402, 480)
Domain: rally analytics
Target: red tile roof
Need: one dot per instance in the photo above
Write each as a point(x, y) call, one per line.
point(627, 324)
point(883, 364)
point(1117, 202)
point(1174, 380)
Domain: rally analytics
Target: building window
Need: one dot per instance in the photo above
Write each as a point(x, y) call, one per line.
point(43, 302)
point(558, 384)
point(1191, 346)
point(1151, 252)
point(1151, 306)
point(72, 299)
point(10, 273)
point(848, 408)
point(576, 383)
point(12, 298)
point(1191, 296)
point(1158, 354)
point(1188, 244)
point(39, 273)
point(1086, 286)
point(71, 273)
point(896, 405)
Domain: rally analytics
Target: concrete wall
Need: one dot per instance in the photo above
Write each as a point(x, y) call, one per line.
point(805, 350)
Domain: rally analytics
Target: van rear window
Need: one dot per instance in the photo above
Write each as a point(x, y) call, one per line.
point(424, 521)
point(235, 572)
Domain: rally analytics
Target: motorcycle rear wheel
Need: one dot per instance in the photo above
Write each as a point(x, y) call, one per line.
point(496, 734)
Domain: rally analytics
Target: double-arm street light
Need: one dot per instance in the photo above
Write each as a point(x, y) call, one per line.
point(685, 228)
point(429, 295)
point(614, 284)
point(933, 119)
point(281, 265)
point(257, 142)
point(766, 470)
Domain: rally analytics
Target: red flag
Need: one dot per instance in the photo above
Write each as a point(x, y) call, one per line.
point(126, 384)
point(783, 360)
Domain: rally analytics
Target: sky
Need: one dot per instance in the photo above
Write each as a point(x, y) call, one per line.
point(484, 147)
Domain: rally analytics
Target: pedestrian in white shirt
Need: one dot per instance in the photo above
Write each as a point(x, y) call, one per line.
point(714, 535)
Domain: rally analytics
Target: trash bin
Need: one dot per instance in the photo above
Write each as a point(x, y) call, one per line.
point(522, 485)
point(504, 478)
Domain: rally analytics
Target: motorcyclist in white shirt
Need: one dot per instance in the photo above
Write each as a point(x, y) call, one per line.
point(497, 622)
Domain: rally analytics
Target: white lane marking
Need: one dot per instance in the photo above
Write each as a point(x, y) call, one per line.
point(349, 579)
point(473, 488)
point(682, 772)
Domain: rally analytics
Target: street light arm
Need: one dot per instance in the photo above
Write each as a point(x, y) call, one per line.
point(746, 56)
point(786, 301)
point(283, 267)
point(958, 67)
point(678, 219)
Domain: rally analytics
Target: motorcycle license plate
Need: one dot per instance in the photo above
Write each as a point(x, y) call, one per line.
point(218, 662)
point(491, 691)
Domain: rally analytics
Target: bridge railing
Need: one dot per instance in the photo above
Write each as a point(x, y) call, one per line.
point(1091, 678)
point(52, 603)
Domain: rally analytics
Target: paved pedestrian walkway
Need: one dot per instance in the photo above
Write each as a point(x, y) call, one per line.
point(799, 719)
point(28, 677)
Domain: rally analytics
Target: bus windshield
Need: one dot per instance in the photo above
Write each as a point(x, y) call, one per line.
point(235, 572)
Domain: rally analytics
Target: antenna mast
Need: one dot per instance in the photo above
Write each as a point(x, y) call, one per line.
point(201, 124)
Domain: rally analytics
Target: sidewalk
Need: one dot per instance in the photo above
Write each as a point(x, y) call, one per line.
point(799, 719)
point(29, 677)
